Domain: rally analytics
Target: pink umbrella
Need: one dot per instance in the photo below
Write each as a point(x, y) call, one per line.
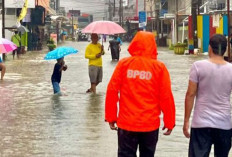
point(103, 27)
point(6, 46)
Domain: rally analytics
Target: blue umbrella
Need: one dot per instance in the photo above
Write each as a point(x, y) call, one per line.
point(60, 52)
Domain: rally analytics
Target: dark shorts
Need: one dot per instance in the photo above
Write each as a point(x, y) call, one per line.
point(201, 140)
point(17, 51)
point(129, 141)
point(95, 74)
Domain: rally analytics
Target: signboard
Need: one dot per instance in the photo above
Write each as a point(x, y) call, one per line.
point(142, 19)
point(75, 13)
point(19, 3)
point(169, 16)
point(48, 20)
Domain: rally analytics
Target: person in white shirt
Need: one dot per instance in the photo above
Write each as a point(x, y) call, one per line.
point(210, 85)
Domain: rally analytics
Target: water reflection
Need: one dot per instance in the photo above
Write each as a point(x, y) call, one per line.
point(94, 114)
point(55, 100)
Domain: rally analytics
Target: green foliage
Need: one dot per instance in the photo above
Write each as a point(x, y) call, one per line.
point(179, 48)
point(171, 47)
point(50, 41)
point(181, 45)
point(50, 44)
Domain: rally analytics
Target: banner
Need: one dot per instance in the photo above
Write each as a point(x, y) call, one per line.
point(19, 3)
point(216, 20)
point(23, 11)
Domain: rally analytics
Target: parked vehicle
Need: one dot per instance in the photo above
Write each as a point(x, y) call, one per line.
point(82, 36)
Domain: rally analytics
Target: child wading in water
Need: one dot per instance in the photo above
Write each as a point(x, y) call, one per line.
point(57, 73)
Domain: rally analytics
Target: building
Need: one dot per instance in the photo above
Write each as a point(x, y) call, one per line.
point(34, 21)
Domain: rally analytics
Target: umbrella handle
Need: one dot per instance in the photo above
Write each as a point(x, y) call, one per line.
point(102, 39)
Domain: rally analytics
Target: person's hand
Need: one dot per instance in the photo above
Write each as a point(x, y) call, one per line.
point(112, 126)
point(102, 50)
point(65, 67)
point(98, 55)
point(168, 132)
point(62, 63)
point(186, 129)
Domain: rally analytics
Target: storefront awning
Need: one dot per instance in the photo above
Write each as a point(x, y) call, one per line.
point(45, 4)
point(62, 18)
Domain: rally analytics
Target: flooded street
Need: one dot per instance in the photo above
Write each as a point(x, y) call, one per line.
point(35, 123)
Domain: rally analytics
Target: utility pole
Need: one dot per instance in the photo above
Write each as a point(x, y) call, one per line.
point(114, 9)
point(137, 8)
point(120, 12)
point(144, 5)
point(177, 18)
point(157, 10)
point(194, 22)
point(228, 16)
point(72, 26)
point(198, 7)
point(57, 5)
point(122, 15)
point(3, 25)
point(110, 11)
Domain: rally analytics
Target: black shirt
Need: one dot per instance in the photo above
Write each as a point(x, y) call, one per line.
point(56, 76)
point(114, 46)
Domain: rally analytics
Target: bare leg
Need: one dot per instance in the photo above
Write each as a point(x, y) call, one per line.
point(3, 71)
point(93, 88)
point(14, 54)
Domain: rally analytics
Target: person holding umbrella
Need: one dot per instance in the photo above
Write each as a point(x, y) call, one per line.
point(59, 54)
point(94, 52)
point(17, 41)
point(6, 46)
point(57, 73)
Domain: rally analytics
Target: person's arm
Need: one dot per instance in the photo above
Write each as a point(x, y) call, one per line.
point(88, 54)
point(166, 102)
point(119, 47)
point(112, 97)
point(189, 100)
point(102, 50)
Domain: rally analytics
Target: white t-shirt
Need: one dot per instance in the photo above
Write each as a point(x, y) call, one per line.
point(212, 105)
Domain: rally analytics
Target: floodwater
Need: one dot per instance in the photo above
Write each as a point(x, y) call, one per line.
point(35, 123)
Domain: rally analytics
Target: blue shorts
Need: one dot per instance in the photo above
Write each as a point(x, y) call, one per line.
point(56, 87)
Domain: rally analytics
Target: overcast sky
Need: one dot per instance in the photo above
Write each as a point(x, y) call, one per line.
point(96, 7)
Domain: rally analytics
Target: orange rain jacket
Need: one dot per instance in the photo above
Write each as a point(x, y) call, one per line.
point(142, 86)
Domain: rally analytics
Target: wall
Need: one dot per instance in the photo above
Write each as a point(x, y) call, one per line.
point(184, 6)
point(205, 29)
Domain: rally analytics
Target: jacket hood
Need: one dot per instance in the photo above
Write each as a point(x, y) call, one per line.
point(143, 44)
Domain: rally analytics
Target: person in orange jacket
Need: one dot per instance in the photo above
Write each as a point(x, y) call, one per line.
point(142, 86)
